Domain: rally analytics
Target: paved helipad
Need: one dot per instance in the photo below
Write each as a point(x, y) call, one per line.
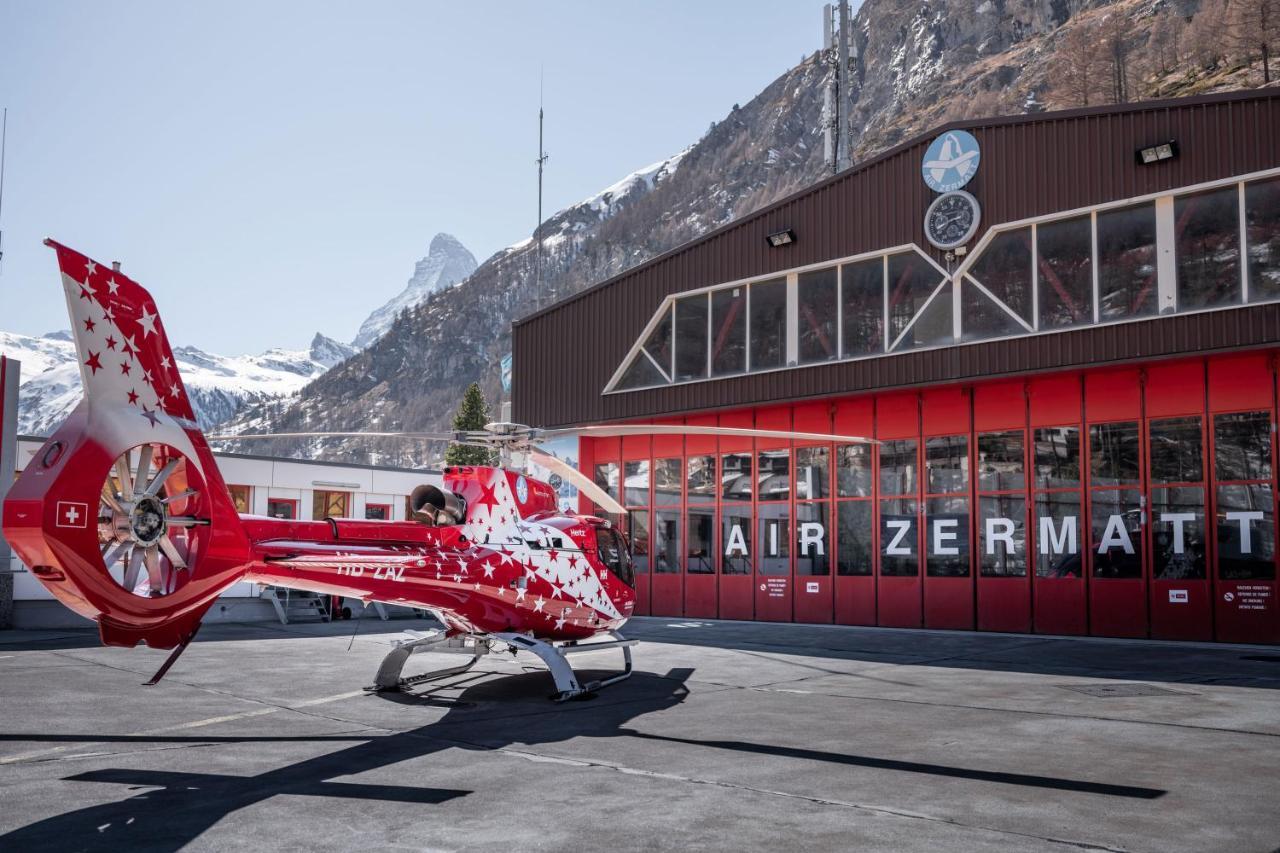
point(731, 736)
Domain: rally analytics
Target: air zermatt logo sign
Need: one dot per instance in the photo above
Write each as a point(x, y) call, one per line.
point(951, 160)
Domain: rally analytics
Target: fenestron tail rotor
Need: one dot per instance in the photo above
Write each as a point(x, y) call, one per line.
point(149, 515)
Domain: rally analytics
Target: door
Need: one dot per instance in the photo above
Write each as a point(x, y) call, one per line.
point(1243, 450)
point(898, 591)
point(855, 548)
point(773, 519)
point(700, 522)
point(1003, 581)
point(636, 482)
point(948, 582)
point(668, 532)
point(1059, 584)
point(813, 595)
point(1117, 508)
point(1180, 596)
point(737, 523)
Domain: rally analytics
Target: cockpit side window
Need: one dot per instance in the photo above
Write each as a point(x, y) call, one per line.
point(613, 553)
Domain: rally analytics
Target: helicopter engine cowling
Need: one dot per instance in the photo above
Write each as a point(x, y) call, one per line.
point(433, 505)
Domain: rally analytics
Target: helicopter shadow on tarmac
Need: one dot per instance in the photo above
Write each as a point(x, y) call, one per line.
point(179, 806)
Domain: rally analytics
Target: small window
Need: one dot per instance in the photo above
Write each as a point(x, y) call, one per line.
point(898, 467)
point(862, 292)
point(1117, 516)
point(329, 505)
point(701, 479)
point(1242, 446)
point(651, 365)
point(728, 331)
point(1057, 457)
point(638, 520)
point(947, 537)
point(913, 281)
point(691, 337)
point(813, 472)
point(774, 541)
point(735, 476)
point(377, 512)
point(1207, 248)
point(768, 324)
point(282, 508)
point(1176, 454)
point(774, 476)
point(813, 545)
point(637, 482)
point(241, 498)
point(1002, 536)
point(666, 542)
point(1246, 533)
point(981, 317)
point(606, 477)
point(899, 538)
point(1059, 552)
point(700, 552)
point(1262, 228)
point(853, 532)
point(667, 481)
point(1127, 262)
point(853, 470)
point(1113, 454)
point(1001, 460)
point(1178, 546)
point(817, 306)
point(946, 460)
point(1064, 265)
point(735, 540)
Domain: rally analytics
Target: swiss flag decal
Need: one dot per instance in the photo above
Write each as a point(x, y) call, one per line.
point(72, 514)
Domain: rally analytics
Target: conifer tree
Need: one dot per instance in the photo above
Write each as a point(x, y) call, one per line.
point(473, 414)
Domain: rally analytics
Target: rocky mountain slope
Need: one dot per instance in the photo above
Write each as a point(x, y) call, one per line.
point(219, 386)
point(915, 65)
point(447, 263)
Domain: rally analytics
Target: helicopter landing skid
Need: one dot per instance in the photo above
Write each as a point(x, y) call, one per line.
point(389, 678)
point(555, 656)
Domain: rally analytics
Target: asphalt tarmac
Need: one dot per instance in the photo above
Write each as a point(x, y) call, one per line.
point(730, 736)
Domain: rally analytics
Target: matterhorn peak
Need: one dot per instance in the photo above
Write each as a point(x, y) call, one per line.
point(447, 263)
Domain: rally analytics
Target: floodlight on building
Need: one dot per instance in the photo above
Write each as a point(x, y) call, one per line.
point(1157, 153)
point(781, 238)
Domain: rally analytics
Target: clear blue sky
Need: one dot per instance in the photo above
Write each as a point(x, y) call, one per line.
point(273, 169)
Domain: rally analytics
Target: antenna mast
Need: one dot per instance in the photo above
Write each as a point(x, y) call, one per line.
point(537, 231)
point(843, 130)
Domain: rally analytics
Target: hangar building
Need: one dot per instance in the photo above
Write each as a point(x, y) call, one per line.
point(1061, 330)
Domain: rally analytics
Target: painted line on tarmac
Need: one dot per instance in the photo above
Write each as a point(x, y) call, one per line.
point(196, 724)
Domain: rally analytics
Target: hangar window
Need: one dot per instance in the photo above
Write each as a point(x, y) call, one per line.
point(735, 476)
point(1207, 248)
point(1262, 229)
point(775, 539)
point(728, 331)
point(1064, 271)
point(735, 540)
point(817, 306)
point(637, 482)
point(1004, 272)
point(1127, 262)
point(667, 482)
point(853, 538)
point(701, 479)
point(651, 364)
point(768, 332)
point(691, 337)
point(919, 302)
point(666, 542)
point(701, 547)
point(638, 520)
point(862, 307)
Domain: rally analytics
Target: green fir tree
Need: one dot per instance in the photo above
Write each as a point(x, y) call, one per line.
point(473, 414)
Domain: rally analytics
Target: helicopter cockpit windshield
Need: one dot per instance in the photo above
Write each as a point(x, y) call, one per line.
point(615, 555)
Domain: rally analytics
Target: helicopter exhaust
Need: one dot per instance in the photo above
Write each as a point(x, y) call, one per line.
point(432, 506)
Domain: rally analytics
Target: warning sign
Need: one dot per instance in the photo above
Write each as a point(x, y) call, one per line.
point(1250, 596)
point(775, 587)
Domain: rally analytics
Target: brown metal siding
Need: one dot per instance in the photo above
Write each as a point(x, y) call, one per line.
point(1031, 166)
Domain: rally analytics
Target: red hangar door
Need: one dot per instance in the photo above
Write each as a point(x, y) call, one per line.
point(898, 591)
point(636, 452)
point(855, 546)
point(737, 526)
point(773, 518)
point(948, 583)
point(1056, 451)
point(1243, 451)
point(669, 530)
point(700, 522)
point(1003, 581)
point(1179, 590)
point(812, 596)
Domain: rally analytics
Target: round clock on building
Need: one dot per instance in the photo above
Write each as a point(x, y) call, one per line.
point(952, 219)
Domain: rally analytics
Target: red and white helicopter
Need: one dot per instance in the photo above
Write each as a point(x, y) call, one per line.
point(124, 517)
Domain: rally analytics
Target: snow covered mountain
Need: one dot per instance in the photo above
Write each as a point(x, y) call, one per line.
point(219, 386)
point(447, 263)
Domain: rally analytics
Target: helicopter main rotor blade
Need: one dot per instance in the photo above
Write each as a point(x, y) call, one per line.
point(470, 439)
point(584, 483)
point(682, 429)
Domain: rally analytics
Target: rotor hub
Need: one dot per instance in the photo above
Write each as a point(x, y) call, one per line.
point(148, 521)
